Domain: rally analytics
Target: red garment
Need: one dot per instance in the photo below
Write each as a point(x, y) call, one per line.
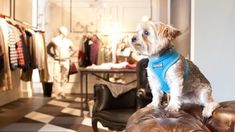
point(94, 53)
point(94, 50)
point(20, 53)
point(81, 55)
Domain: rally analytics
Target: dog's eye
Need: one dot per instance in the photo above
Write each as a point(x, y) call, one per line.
point(146, 33)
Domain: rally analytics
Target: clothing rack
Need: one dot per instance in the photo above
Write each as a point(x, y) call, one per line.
point(8, 18)
point(24, 53)
point(29, 25)
point(4, 16)
point(25, 24)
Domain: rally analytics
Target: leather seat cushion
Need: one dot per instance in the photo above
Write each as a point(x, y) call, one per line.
point(223, 118)
point(148, 119)
point(118, 115)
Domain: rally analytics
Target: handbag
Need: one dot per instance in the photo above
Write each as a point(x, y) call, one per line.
point(72, 68)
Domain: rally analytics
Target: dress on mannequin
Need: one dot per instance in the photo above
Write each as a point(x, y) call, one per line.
point(61, 49)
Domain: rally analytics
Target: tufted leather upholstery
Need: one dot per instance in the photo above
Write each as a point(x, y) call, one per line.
point(189, 118)
point(223, 119)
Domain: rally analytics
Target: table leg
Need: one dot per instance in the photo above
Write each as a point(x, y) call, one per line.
point(86, 91)
point(81, 92)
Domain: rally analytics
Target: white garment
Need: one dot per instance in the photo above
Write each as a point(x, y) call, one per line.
point(108, 66)
point(62, 47)
point(61, 70)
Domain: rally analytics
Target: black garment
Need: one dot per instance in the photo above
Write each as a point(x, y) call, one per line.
point(87, 61)
point(1, 69)
point(1, 64)
point(1, 60)
point(27, 73)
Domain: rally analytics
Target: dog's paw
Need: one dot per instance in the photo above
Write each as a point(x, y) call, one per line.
point(173, 106)
point(208, 109)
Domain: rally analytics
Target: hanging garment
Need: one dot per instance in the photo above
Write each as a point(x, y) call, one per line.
point(81, 51)
point(4, 41)
point(19, 49)
point(25, 50)
point(94, 49)
point(2, 65)
point(44, 73)
point(33, 49)
point(12, 48)
point(40, 52)
point(87, 61)
point(19, 46)
point(27, 73)
point(1, 55)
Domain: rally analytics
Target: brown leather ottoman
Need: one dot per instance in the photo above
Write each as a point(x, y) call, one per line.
point(189, 118)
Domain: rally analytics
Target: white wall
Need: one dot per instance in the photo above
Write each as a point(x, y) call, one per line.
point(213, 44)
point(23, 11)
point(180, 17)
point(14, 93)
point(5, 7)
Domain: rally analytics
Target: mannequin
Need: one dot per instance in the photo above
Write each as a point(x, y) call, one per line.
point(61, 49)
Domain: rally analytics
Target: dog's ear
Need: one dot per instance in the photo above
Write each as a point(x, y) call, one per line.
point(167, 31)
point(173, 32)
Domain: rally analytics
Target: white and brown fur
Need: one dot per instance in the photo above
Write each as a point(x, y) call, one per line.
point(195, 89)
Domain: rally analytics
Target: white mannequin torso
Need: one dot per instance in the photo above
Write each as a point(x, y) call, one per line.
point(62, 48)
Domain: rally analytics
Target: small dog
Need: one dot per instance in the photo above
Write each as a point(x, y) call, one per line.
point(170, 72)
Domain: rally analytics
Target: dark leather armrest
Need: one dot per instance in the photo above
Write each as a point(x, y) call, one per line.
point(144, 97)
point(104, 99)
point(223, 118)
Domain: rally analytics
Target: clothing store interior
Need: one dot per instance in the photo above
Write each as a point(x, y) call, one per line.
point(87, 65)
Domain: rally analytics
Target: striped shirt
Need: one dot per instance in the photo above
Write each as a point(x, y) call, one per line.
point(12, 48)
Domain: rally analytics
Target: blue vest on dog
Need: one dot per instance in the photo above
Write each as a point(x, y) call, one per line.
point(159, 66)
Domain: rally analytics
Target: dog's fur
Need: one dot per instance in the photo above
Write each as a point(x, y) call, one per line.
point(155, 39)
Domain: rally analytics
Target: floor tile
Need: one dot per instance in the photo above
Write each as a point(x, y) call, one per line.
point(39, 117)
point(72, 111)
point(42, 114)
point(58, 103)
point(17, 109)
point(67, 121)
point(22, 127)
point(53, 128)
point(50, 110)
point(76, 105)
point(79, 99)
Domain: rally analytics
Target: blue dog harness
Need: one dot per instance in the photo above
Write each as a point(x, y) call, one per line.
point(159, 66)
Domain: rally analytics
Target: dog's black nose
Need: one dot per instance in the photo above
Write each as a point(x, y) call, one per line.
point(133, 39)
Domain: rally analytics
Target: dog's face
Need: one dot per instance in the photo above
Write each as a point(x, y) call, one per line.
point(153, 38)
